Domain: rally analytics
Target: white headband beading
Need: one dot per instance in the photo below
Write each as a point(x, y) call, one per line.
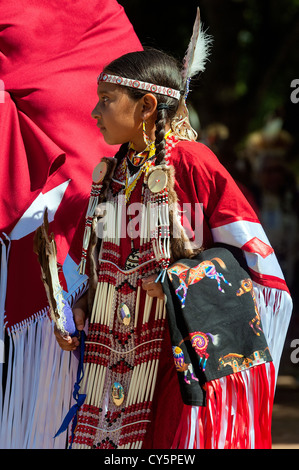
point(150, 87)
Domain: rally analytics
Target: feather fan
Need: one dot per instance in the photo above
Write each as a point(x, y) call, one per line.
point(46, 250)
point(197, 52)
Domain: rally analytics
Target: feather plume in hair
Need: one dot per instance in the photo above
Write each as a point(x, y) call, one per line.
point(197, 53)
point(194, 62)
point(46, 250)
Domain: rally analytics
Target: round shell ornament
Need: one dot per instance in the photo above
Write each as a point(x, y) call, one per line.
point(99, 172)
point(117, 393)
point(124, 314)
point(157, 181)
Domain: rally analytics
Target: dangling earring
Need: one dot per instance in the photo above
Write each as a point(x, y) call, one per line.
point(146, 138)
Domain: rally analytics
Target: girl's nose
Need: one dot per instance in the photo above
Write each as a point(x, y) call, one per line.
point(95, 113)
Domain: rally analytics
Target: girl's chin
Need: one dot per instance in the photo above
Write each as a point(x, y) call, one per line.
point(110, 140)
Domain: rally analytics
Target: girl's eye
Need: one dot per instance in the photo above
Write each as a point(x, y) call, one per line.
point(105, 98)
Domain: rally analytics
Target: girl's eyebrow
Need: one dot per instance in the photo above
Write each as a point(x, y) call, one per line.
point(104, 90)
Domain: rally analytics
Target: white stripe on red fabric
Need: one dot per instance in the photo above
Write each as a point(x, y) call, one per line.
point(240, 233)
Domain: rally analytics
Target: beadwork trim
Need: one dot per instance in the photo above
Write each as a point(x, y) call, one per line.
point(124, 352)
point(120, 427)
point(126, 271)
point(150, 87)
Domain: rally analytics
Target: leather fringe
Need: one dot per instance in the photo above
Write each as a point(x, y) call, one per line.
point(238, 414)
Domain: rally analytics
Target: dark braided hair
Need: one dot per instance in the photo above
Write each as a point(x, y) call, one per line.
point(160, 134)
point(153, 66)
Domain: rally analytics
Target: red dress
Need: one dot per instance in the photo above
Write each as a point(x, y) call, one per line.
point(159, 419)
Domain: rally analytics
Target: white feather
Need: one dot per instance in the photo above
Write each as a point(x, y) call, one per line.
point(197, 52)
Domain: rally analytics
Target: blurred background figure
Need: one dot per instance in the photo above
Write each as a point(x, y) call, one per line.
point(217, 137)
point(276, 192)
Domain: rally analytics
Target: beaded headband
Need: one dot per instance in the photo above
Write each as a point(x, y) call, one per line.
point(150, 87)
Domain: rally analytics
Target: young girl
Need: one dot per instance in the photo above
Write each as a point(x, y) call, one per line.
point(133, 397)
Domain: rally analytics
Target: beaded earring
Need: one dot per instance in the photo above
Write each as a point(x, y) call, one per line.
point(149, 143)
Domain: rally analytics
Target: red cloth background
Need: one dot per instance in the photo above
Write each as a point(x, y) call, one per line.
point(50, 56)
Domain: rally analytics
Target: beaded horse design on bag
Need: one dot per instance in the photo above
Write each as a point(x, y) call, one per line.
point(246, 286)
point(189, 276)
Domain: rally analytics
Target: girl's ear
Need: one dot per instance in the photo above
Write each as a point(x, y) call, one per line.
point(149, 106)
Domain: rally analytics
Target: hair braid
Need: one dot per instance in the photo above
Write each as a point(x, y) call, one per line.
point(121, 153)
point(160, 136)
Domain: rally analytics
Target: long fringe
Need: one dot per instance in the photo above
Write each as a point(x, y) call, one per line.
point(238, 413)
point(5, 249)
point(38, 386)
point(36, 377)
point(275, 308)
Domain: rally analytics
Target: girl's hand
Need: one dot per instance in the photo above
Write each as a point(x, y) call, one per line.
point(153, 289)
point(79, 312)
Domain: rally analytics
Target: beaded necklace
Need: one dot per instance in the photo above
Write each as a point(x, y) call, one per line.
point(102, 175)
point(135, 164)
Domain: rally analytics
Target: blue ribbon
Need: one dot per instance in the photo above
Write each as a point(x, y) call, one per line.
point(80, 398)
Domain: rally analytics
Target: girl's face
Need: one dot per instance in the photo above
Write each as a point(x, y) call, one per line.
point(118, 116)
